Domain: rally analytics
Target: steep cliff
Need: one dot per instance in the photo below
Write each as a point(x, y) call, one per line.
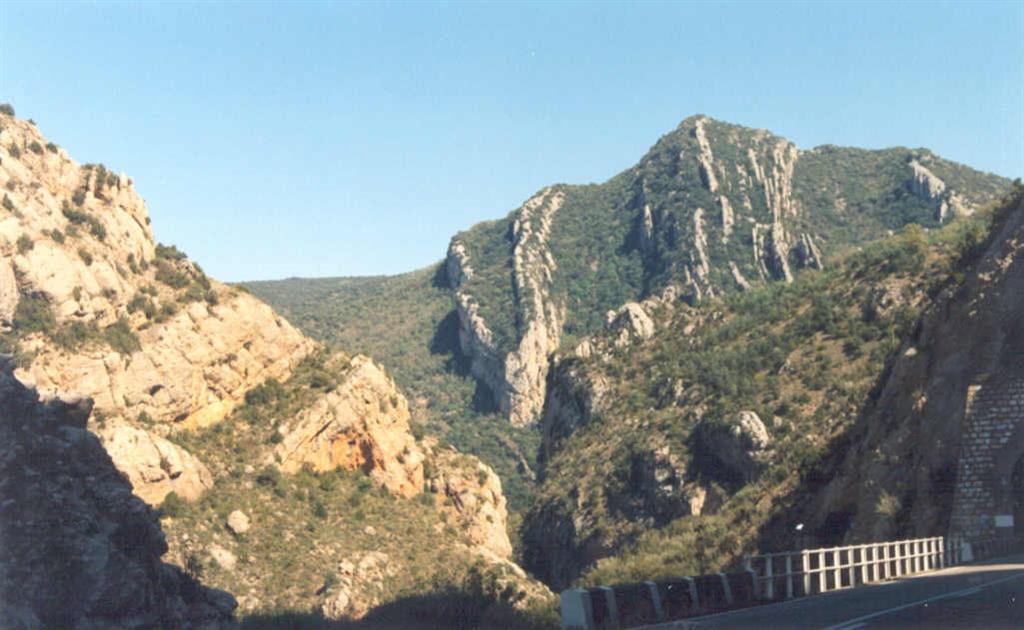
point(712, 208)
point(363, 424)
point(77, 549)
point(90, 304)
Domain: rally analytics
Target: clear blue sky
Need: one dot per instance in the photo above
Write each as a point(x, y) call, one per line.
point(272, 140)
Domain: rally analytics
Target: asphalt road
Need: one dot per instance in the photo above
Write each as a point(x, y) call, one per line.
point(985, 595)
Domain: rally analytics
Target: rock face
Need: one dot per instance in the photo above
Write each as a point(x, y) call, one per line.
point(516, 377)
point(154, 466)
point(927, 185)
point(631, 321)
point(361, 425)
point(79, 550)
point(109, 314)
point(907, 444)
point(475, 499)
point(359, 581)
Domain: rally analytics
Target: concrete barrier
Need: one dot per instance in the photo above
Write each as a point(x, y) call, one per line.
point(634, 605)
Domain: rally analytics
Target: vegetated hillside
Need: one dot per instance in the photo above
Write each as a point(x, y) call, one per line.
point(370, 518)
point(711, 209)
point(684, 436)
point(406, 322)
point(207, 399)
point(893, 474)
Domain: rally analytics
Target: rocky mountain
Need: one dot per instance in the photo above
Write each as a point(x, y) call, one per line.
point(711, 209)
point(692, 342)
point(205, 399)
point(78, 549)
point(683, 436)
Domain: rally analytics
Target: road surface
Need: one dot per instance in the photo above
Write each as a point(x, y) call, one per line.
point(988, 594)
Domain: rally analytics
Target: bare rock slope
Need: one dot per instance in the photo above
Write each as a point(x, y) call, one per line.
point(91, 304)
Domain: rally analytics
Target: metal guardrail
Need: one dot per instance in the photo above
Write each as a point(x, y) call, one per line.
point(790, 574)
point(812, 571)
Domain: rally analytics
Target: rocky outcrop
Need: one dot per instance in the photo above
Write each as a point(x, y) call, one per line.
point(573, 399)
point(515, 377)
point(155, 466)
point(631, 322)
point(704, 156)
point(363, 424)
point(808, 256)
point(109, 314)
point(927, 185)
point(471, 493)
point(733, 451)
point(360, 582)
point(79, 550)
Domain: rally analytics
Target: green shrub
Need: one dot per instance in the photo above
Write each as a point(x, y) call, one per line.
point(78, 198)
point(74, 335)
point(36, 148)
point(85, 255)
point(269, 476)
point(266, 393)
point(34, 314)
point(14, 151)
point(169, 252)
point(51, 147)
point(6, 109)
point(25, 244)
point(8, 204)
point(57, 235)
point(172, 506)
point(121, 337)
point(169, 275)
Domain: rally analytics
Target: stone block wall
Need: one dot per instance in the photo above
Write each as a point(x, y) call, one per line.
point(991, 442)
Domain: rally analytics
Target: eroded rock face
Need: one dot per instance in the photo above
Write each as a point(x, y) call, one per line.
point(517, 377)
point(79, 549)
point(476, 501)
point(363, 424)
point(77, 244)
point(155, 466)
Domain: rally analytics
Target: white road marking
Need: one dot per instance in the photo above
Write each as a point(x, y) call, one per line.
point(850, 624)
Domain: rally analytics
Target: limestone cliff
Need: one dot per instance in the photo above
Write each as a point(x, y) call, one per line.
point(92, 305)
point(515, 377)
point(78, 549)
point(363, 424)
